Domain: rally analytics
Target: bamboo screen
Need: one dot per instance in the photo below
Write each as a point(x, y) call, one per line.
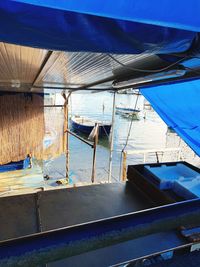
point(21, 126)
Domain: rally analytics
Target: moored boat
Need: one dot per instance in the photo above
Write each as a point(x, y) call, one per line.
point(85, 125)
point(128, 112)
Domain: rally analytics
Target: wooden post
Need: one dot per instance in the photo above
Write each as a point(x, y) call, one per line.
point(157, 158)
point(124, 176)
point(65, 132)
point(111, 140)
point(94, 153)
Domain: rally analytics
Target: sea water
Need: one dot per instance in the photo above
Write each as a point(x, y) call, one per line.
point(149, 132)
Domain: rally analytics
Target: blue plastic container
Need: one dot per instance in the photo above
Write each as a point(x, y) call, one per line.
point(165, 175)
point(187, 189)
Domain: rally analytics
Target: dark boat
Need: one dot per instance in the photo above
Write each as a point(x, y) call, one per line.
point(86, 125)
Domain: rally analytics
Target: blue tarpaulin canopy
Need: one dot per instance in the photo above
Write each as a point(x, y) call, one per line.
point(110, 26)
point(179, 106)
point(124, 27)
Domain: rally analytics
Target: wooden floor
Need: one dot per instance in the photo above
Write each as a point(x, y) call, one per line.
point(12, 182)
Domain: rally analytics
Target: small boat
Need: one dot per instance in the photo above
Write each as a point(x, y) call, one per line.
point(85, 125)
point(129, 92)
point(133, 92)
point(128, 112)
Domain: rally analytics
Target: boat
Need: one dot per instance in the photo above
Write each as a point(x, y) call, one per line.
point(128, 112)
point(129, 92)
point(85, 125)
point(136, 92)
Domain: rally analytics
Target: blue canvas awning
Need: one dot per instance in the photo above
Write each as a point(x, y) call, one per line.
point(179, 106)
point(123, 27)
point(111, 27)
point(180, 14)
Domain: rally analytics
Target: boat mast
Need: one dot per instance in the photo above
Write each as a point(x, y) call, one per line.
point(111, 140)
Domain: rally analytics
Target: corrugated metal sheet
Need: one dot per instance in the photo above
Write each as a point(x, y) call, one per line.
point(80, 69)
point(20, 67)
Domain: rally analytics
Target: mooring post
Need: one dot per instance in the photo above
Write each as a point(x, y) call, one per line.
point(111, 141)
point(65, 132)
point(124, 176)
point(94, 153)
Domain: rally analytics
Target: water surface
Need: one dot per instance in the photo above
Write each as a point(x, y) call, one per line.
point(149, 132)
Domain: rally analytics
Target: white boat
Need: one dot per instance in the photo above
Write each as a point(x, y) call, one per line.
point(128, 112)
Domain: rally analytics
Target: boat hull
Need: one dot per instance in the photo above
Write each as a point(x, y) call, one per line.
point(127, 110)
point(104, 130)
point(128, 113)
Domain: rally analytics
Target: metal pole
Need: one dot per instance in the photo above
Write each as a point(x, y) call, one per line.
point(111, 140)
point(67, 144)
point(144, 157)
point(94, 154)
point(80, 138)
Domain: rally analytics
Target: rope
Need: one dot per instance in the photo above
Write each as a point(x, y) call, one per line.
point(127, 139)
point(107, 135)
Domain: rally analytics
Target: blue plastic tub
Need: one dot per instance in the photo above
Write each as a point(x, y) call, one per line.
point(187, 189)
point(165, 175)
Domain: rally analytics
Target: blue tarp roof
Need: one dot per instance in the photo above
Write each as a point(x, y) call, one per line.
point(179, 106)
point(122, 26)
point(179, 14)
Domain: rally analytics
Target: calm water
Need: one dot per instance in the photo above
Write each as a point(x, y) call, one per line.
point(147, 133)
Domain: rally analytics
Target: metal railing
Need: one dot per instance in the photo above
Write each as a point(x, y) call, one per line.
point(156, 151)
point(145, 152)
